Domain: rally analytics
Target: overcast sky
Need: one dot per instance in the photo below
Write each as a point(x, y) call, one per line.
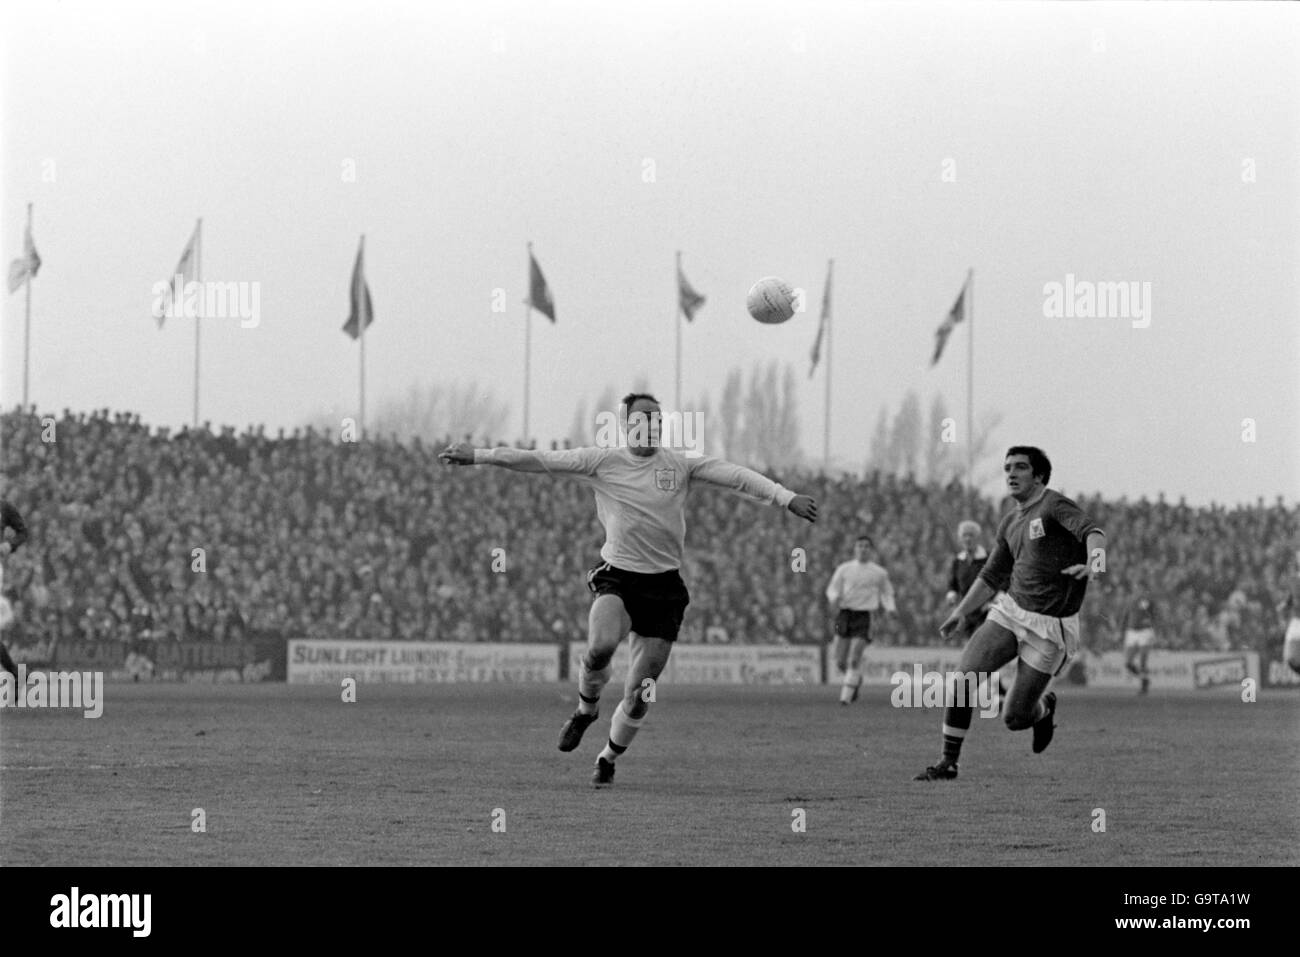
point(1118, 143)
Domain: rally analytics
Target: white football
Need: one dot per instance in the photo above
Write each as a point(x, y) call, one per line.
point(771, 300)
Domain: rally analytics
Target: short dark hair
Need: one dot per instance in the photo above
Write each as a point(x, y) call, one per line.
point(626, 410)
point(1038, 460)
point(633, 396)
point(864, 537)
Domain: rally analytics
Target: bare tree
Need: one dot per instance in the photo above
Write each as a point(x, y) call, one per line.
point(729, 416)
point(582, 429)
point(940, 459)
point(905, 437)
point(881, 457)
point(434, 411)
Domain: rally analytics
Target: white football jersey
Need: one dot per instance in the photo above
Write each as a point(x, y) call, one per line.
point(641, 502)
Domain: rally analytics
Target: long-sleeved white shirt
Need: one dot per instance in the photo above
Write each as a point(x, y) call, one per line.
point(641, 502)
point(861, 586)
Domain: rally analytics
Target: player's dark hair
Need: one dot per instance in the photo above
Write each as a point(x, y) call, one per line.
point(632, 397)
point(1038, 460)
point(865, 538)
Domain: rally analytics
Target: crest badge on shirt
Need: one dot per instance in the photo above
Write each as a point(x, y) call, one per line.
point(1036, 528)
point(666, 480)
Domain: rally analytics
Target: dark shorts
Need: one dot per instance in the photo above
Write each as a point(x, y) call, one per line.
point(656, 603)
point(853, 624)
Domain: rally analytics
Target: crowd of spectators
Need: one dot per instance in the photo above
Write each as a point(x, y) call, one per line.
point(209, 535)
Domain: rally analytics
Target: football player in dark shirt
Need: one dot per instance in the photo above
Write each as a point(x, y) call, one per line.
point(965, 568)
point(9, 520)
point(1045, 552)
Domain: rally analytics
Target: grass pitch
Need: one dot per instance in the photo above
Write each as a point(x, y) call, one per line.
point(418, 775)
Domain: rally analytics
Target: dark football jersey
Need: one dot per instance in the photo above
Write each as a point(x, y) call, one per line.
point(1034, 545)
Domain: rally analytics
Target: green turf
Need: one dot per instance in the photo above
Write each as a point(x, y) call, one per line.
point(412, 775)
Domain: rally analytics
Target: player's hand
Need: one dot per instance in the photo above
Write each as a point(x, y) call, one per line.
point(1081, 572)
point(462, 453)
point(949, 625)
point(804, 507)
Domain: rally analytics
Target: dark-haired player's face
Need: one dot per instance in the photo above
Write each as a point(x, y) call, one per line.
point(861, 550)
point(1022, 484)
point(643, 421)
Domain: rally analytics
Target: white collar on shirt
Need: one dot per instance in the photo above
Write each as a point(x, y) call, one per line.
point(963, 555)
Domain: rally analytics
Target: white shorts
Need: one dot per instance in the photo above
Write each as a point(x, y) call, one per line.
point(1139, 638)
point(1291, 646)
point(1047, 643)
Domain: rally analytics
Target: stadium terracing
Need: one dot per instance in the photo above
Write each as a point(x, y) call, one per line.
point(305, 536)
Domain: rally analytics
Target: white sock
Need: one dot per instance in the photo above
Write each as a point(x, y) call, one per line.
point(851, 680)
point(622, 729)
point(590, 685)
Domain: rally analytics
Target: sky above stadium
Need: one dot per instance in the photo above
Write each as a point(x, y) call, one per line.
point(1156, 145)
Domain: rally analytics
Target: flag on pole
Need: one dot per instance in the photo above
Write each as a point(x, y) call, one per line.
point(955, 315)
point(25, 266)
point(539, 293)
point(688, 298)
point(187, 270)
point(821, 326)
point(362, 311)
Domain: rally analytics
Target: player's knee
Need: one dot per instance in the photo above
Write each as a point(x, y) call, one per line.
point(597, 658)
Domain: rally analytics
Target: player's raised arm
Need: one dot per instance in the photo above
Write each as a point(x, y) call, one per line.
point(752, 485)
point(557, 461)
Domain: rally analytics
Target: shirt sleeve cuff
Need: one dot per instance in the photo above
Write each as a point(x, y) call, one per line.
point(784, 496)
point(482, 456)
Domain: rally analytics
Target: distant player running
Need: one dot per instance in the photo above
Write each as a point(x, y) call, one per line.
point(856, 589)
point(965, 568)
point(641, 501)
point(1045, 552)
point(1138, 626)
point(9, 519)
point(1289, 612)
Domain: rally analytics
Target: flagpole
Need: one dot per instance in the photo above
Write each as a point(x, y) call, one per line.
point(198, 274)
point(677, 323)
point(27, 321)
point(362, 320)
point(528, 341)
point(970, 389)
point(826, 436)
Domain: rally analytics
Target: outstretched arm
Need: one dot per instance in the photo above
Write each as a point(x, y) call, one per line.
point(559, 461)
point(752, 485)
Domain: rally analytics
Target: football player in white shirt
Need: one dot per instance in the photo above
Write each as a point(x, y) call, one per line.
point(640, 494)
point(857, 588)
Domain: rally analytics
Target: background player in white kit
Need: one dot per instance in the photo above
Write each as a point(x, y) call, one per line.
point(856, 589)
point(1138, 626)
point(1289, 612)
point(640, 500)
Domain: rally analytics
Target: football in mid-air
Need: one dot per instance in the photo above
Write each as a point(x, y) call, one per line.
point(771, 300)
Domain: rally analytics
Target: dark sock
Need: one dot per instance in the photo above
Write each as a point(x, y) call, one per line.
point(8, 663)
point(956, 722)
